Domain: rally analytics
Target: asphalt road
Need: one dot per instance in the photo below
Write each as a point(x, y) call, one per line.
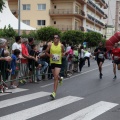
point(81, 97)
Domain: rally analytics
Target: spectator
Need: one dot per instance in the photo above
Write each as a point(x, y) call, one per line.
point(14, 62)
point(33, 62)
point(24, 59)
point(30, 42)
point(17, 44)
point(87, 57)
point(81, 58)
point(2, 58)
point(42, 60)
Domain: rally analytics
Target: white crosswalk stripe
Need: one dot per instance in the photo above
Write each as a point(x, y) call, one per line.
point(23, 98)
point(91, 112)
point(87, 113)
point(13, 91)
point(40, 109)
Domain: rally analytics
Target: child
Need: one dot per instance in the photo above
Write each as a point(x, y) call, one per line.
point(14, 62)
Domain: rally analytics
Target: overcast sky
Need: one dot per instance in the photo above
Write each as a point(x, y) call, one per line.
point(111, 9)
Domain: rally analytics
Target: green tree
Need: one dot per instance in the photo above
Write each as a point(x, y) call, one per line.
point(73, 36)
point(46, 33)
point(93, 38)
point(8, 32)
point(2, 4)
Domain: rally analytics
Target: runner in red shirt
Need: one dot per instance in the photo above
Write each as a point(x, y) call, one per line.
point(116, 58)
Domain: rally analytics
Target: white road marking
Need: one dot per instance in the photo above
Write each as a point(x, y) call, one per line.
point(91, 112)
point(24, 98)
point(13, 91)
point(40, 109)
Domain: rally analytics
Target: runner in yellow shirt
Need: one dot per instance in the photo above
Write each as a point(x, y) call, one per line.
point(56, 50)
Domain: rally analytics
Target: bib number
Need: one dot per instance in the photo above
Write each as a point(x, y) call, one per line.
point(55, 57)
point(101, 56)
point(115, 57)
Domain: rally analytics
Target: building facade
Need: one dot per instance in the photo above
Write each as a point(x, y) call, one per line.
point(84, 15)
point(117, 16)
point(110, 30)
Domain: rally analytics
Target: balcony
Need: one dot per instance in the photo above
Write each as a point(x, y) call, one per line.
point(92, 6)
point(82, 1)
point(105, 16)
point(67, 12)
point(92, 30)
point(97, 22)
point(102, 3)
point(69, 27)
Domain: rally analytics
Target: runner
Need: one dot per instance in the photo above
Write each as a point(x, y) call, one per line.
point(100, 53)
point(116, 58)
point(56, 50)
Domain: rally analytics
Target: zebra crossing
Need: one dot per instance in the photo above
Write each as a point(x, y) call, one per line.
point(87, 113)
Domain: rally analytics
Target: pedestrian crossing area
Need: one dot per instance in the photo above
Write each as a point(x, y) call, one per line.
point(88, 113)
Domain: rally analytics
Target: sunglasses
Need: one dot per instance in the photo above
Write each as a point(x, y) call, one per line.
point(56, 37)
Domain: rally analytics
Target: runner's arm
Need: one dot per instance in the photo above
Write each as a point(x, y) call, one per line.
point(47, 50)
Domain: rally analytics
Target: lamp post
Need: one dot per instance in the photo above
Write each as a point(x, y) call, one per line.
point(19, 16)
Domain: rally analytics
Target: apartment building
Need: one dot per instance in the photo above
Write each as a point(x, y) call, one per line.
point(84, 15)
point(117, 16)
point(110, 30)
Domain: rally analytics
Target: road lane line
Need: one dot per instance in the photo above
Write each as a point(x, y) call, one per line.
point(75, 76)
point(91, 112)
point(13, 91)
point(24, 98)
point(40, 109)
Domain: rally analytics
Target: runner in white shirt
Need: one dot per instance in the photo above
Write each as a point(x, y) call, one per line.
point(87, 57)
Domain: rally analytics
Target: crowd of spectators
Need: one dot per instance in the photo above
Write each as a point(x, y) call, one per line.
point(27, 62)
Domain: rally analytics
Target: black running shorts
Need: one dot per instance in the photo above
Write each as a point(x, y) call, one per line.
point(100, 60)
point(53, 66)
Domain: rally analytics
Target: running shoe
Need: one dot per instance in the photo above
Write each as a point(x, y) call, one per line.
point(21, 82)
point(61, 81)
point(115, 77)
point(13, 87)
point(53, 95)
point(101, 75)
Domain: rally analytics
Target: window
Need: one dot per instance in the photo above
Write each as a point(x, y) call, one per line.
point(27, 22)
point(41, 6)
point(26, 7)
point(41, 22)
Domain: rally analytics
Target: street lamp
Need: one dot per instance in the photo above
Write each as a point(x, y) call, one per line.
point(19, 16)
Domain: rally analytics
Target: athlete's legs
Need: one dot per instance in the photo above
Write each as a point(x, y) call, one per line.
point(100, 67)
point(56, 72)
point(114, 69)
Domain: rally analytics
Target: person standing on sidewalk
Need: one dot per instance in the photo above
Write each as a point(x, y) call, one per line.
point(56, 50)
point(100, 52)
point(116, 58)
point(87, 57)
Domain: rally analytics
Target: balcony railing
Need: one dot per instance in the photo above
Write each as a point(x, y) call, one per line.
point(95, 7)
point(66, 12)
point(69, 27)
point(95, 20)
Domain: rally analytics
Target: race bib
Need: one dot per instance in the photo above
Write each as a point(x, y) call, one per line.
point(116, 57)
point(55, 57)
point(101, 56)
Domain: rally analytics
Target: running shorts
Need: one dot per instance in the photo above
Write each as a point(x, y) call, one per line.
point(53, 66)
